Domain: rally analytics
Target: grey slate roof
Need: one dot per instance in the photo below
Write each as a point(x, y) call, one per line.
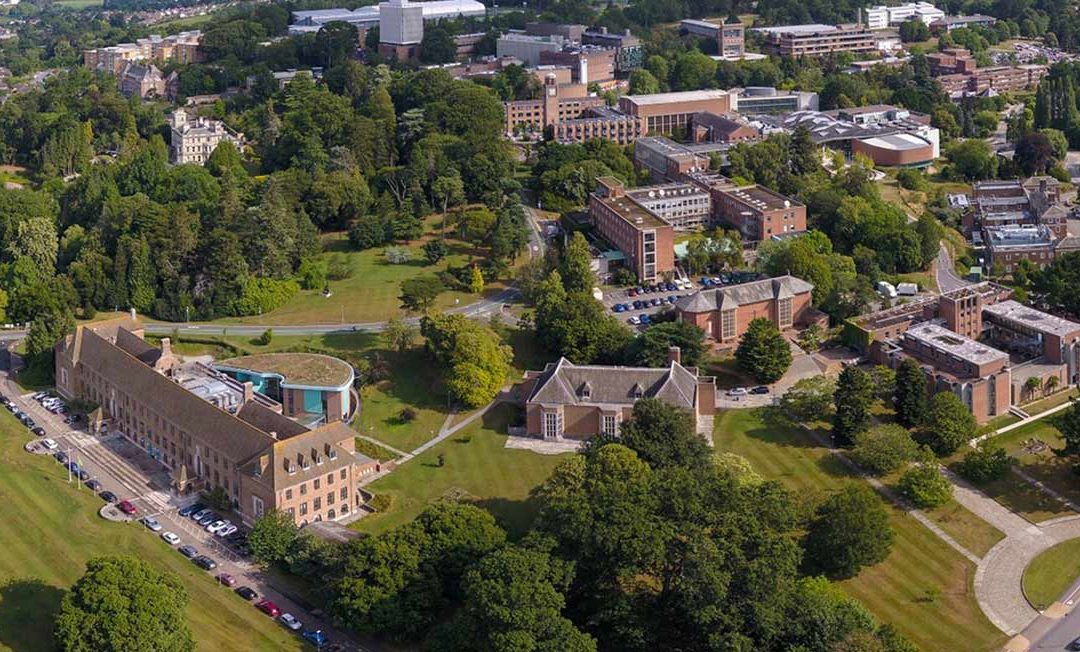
point(733, 296)
point(564, 383)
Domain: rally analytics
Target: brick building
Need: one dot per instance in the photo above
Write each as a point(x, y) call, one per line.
point(143, 81)
point(587, 63)
point(182, 48)
point(209, 430)
point(577, 402)
point(951, 61)
point(1000, 79)
point(724, 313)
point(816, 40)
point(664, 112)
point(647, 241)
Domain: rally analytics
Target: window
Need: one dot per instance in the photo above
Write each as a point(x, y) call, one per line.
point(257, 506)
point(317, 504)
point(553, 424)
point(316, 484)
point(291, 512)
point(330, 498)
point(303, 508)
point(330, 478)
point(342, 474)
point(727, 324)
point(288, 494)
point(783, 309)
point(610, 425)
point(344, 493)
point(303, 488)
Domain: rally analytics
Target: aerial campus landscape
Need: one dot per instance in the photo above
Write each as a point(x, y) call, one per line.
point(587, 326)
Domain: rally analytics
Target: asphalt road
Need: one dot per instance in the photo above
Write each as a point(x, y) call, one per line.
point(946, 275)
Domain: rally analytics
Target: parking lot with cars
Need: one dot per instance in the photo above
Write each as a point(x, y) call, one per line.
point(135, 488)
point(639, 304)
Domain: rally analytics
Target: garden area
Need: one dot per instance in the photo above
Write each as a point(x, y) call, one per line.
point(924, 587)
point(58, 530)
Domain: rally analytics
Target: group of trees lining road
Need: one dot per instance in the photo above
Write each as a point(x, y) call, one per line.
point(641, 543)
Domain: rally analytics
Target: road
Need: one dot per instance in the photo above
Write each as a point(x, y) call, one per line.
point(947, 279)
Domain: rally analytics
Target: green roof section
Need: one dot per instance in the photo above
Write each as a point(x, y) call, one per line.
point(312, 369)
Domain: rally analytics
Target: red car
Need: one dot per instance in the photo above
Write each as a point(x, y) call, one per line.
point(268, 608)
point(226, 579)
point(126, 507)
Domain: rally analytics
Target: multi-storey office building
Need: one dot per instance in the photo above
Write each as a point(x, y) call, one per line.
point(647, 241)
point(816, 40)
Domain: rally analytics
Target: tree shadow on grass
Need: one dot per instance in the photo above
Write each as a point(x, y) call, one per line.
point(28, 608)
point(514, 516)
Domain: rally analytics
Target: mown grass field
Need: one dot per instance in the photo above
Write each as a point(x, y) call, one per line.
point(476, 466)
point(51, 529)
point(1049, 575)
point(924, 588)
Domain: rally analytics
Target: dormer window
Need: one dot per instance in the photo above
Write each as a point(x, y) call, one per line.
point(637, 391)
point(585, 391)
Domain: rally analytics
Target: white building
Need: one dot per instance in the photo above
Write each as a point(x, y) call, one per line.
point(369, 16)
point(192, 140)
point(882, 17)
point(527, 48)
point(401, 22)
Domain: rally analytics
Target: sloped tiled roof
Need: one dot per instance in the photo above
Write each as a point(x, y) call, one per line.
point(562, 383)
point(268, 420)
point(733, 296)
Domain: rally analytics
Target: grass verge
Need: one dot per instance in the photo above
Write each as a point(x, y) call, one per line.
point(1048, 576)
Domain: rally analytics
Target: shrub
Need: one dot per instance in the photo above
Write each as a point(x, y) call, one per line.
point(925, 487)
point(397, 255)
point(381, 502)
point(266, 337)
point(217, 498)
point(911, 179)
point(986, 463)
point(261, 295)
point(338, 267)
point(312, 273)
point(406, 415)
point(884, 449)
point(369, 231)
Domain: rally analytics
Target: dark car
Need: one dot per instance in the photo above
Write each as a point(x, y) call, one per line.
point(107, 496)
point(189, 551)
point(205, 563)
point(268, 608)
point(191, 509)
point(93, 485)
point(84, 475)
point(247, 593)
point(316, 638)
point(39, 431)
point(60, 456)
point(760, 389)
point(1075, 645)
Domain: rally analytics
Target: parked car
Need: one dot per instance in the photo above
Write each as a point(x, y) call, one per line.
point(1075, 645)
point(645, 319)
point(760, 389)
point(84, 475)
point(189, 551)
point(216, 525)
point(226, 579)
point(170, 538)
point(50, 444)
point(209, 518)
point(205, 563)
point(38, 430)
point(316, 638)
point(291, 622)
point(268, 608)
point(61, 457)
point(631, 292)
point(107, 496)
point(151, 523)
point(737, 391)
point(93, 485)
point(126, 507)
point(196, 516)
point(619, 307)
point(635, 320)
point(191, 509)
point(656, 302)
point(226, 531)
point(247, 593)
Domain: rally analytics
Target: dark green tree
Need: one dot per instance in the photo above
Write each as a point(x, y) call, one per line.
point(653, 347)
point(763, 351)
point(271, 536)
point(853, 398)
point(925, 487)
point(912, 394)
point(662, 435)
point(850, 530)
point(950, 424)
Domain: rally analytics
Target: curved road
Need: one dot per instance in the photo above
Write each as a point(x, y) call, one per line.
point(947, 279)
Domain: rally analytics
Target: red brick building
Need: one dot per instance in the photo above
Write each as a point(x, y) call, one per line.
point(724, 313)
point(647, 241)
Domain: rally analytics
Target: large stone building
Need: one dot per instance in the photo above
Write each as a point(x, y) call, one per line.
point(209, 430)
point(141, 80)
point(724, 313)
point(577, 402)
point(817, 40)
point(997, 79)
point(192, 140)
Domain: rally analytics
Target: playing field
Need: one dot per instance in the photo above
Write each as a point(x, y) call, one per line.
point(51, 529)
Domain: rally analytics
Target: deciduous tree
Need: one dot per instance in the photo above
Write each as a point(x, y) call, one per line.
point(849, 531)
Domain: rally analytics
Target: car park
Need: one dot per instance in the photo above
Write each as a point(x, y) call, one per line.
point(189, 551)
point(126, 507)
point(268, 608)
point(316, 638)
point(170, 538)
point(226, 579)
point(737, 391)
point(151, 523)
point(93, 485)
point(50, 444)
point(247, 593)
point(38, 430)
point(191, 509)
point(107, 496)
point(760, 389)
point(291, 622)
point(204, 562)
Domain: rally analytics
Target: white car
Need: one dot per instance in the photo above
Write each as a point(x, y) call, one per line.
point(151, 523)
point(291, 622)
point(170, 538)
point(737, 391)
point(50, 444)
point(634, 320)
point(226, 531)
point(214, 527)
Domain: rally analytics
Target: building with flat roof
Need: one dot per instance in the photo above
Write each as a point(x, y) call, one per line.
point(367, 17)
point(666, 160)
point(576, 402)
point(647, 241)
point(817, 40)
point(1034, 201)
point(629, 52)
point(724, 313)
point(312, 388)
point(182, 48)
point(587, 63)
point(1007, 245)
point(730, 37)
point(884, 17)
point(767, 100)
point(951, 61)
point(997, 79)
point(664, 112)
point(759, 213)
point(209, 430)
point(949, 23)
point(527, 47)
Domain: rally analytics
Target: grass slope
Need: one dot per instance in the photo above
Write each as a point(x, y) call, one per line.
point(1051, 573)
point(920, 566)
point(51, 530)
point(476, 466)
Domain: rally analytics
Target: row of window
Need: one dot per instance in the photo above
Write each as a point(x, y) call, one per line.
point(316, 484)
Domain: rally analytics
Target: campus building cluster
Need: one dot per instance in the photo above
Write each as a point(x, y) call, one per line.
point(977, 342)
point(884, 17)
point(958, 74)
point(182, 48)
point(212, 430)
point(1015, 220)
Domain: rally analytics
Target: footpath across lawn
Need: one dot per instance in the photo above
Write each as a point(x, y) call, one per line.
point(924, 588)
point(475, 466)
point(50, 531)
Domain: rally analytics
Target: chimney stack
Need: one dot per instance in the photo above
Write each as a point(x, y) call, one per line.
point(132, 313)
point(674, 354)
point(166, 347)
point(249, 392)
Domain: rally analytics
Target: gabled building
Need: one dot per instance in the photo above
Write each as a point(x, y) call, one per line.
point(724, 313)
point(192, 140)
point(143, 81)
point(576, 402)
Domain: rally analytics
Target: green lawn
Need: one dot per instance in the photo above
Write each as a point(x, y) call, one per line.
point(371, 292)
point(1040, 406)
point(52, 529)
point(920, 566)
point(1054, 471)
point(414, 384)
point(969, 530)
point(476, 467)
point(1048, 576)
point(79, 4)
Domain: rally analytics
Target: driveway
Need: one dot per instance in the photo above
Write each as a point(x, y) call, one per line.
point(947, 278)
